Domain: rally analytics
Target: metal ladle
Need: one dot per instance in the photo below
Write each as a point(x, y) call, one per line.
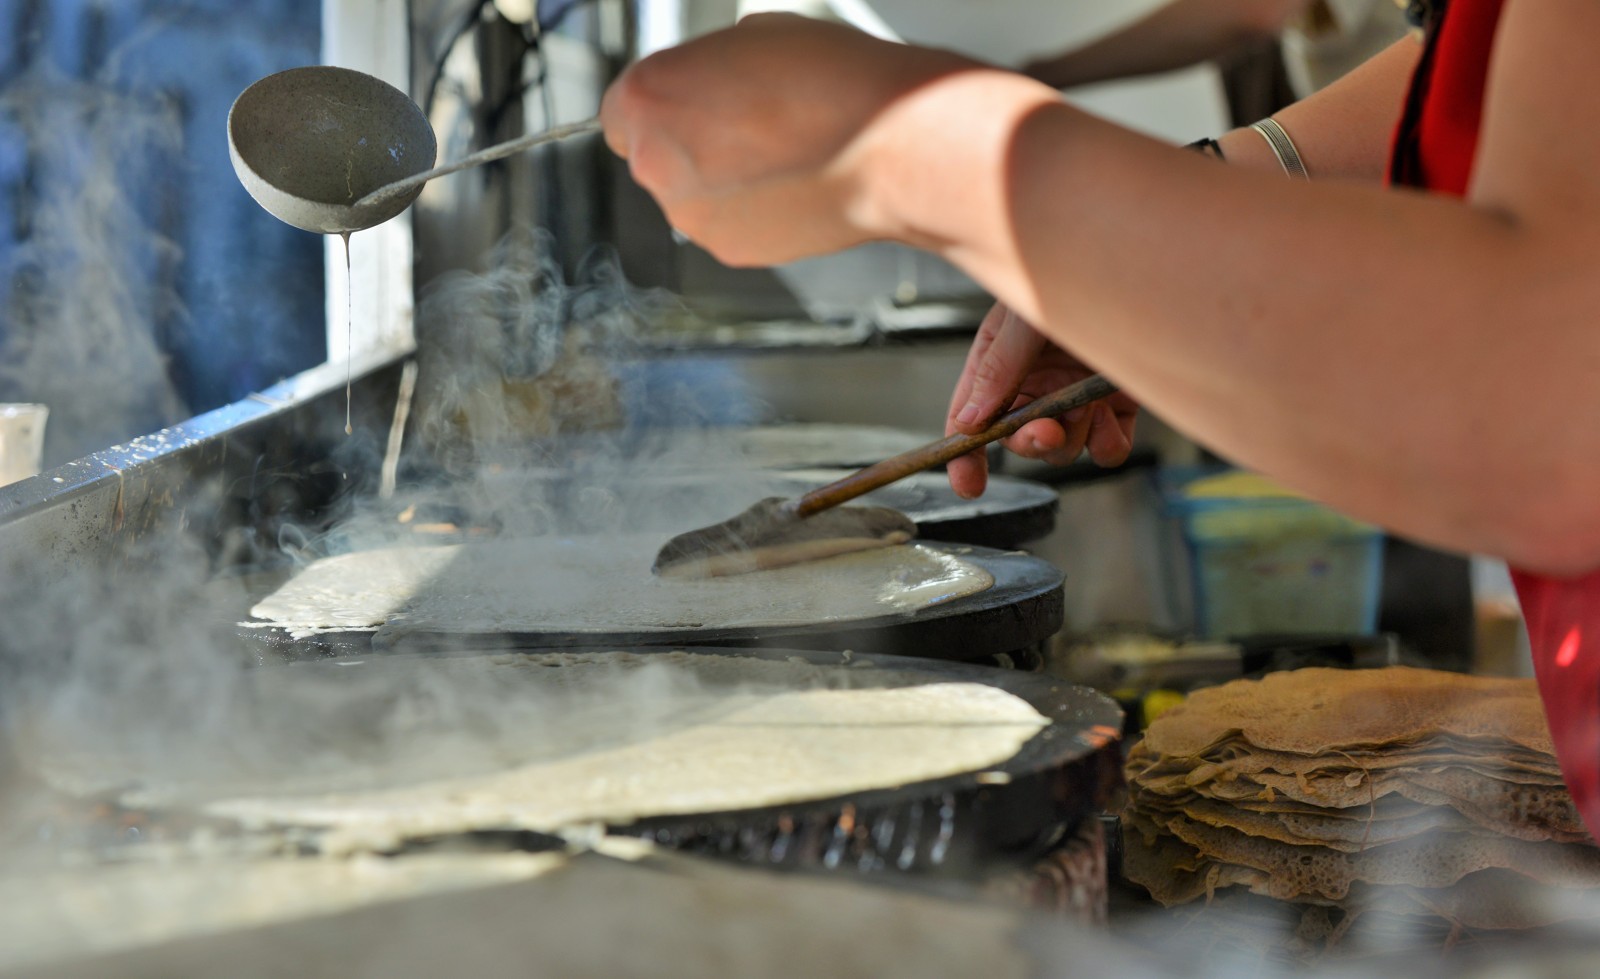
point(331, 150)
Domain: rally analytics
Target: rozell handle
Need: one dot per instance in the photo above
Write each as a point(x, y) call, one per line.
point(896, 468)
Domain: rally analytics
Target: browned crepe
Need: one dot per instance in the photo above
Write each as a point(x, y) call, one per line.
point(1339, 830)
point(1410, 791)
point(1528, 812)
point(1434, 860)
point(1314, 711)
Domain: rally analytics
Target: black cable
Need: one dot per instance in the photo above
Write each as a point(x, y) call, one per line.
point(472, 16)
point(541, 27)
point(531, 34)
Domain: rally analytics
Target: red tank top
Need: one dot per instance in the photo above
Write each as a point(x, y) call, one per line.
point(1434, 148)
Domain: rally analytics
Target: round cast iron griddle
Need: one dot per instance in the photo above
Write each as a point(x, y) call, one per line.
point(1024, 608)
point(784, 446)
point(1010, 513)
point(959, 826)
point(964, 827)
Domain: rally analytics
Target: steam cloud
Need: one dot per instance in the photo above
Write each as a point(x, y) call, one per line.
point(138, 668)
point(90, 277)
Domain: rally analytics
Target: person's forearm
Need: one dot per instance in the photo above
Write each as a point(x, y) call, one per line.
point(1343, 131)
point(1412, 358)
point(1177, 35)
point(1354, 341)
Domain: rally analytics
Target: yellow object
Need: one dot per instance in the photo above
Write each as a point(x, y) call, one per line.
point(1246, 506)
point(1238, 486)
point(1158, 702)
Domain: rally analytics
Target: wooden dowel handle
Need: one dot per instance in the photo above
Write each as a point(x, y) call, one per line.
point(895, 468)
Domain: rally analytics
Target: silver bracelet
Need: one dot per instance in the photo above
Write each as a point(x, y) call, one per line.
point(1282, 148)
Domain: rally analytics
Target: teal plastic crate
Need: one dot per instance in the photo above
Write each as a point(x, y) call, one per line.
point(1259, 566)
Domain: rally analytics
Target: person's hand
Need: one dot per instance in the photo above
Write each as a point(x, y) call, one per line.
point(1010, 364)
point(753, 139)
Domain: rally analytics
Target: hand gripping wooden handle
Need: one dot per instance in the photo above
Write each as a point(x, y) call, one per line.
point(895, 468)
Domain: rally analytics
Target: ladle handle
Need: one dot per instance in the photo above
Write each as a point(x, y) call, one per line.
point(896, 468)
point(489, 154)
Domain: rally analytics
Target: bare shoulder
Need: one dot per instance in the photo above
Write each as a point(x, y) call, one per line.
point(1539, 153)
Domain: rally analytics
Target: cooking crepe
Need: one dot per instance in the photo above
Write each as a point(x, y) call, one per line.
point(546, 742)
point(602, 585)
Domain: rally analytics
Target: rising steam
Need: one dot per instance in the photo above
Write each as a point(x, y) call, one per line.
point(142, 661)
point(90, 276)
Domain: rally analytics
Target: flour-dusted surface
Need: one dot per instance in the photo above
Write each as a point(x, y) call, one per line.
point(601, 585)
point(668, 916)
point(100, 909)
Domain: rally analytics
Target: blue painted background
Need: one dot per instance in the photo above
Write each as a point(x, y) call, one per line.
point(139, 283)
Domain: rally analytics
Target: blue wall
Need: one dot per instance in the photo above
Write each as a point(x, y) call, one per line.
point(139, 283)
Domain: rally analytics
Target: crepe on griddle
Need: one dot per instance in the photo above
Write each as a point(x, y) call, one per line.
point(551, 741)
point(602, 585)
point(1410, 790)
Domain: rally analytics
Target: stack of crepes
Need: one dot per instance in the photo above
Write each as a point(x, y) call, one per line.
point(1406, 790)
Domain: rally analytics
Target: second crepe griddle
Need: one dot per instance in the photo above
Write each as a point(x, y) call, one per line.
point(1004, 625)
point(1011, 513)
point(1022, 609)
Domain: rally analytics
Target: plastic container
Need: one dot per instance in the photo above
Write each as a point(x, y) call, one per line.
point(1278, 565)
point(21, 441)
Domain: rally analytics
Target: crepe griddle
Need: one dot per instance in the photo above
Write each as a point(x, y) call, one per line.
point(1023, 609)
point(964, 826)
point(953, 835)
point(961, 826)
point(792, 445)
point(1012, 511)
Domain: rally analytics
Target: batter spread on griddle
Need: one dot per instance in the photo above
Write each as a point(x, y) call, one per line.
point(602, 585)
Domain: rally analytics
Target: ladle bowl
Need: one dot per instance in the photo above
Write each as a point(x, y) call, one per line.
point(310, 143)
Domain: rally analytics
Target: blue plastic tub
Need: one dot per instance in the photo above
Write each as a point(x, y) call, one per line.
point(1261, 566)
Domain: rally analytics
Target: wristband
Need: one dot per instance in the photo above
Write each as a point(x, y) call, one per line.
point(1282, 148)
